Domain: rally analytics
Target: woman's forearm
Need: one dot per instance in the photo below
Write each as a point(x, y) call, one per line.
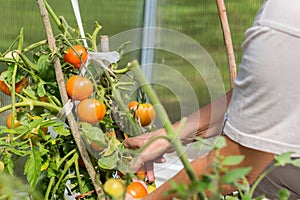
point(206, 122)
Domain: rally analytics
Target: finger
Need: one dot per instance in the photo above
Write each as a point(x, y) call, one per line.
point(149, 171)
point(136, 164)
point(160, 159)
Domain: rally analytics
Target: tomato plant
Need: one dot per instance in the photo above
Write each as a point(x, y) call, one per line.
point(79, 87)
point(114, 188)
point(19, 85)
point(137, 190)
point(91, 110)
point(144, 112)
point(76, 55)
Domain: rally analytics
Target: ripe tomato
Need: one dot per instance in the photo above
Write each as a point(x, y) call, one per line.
point(19, 85)
point(9, 120)
point(137, 190)
point(79, 87)
point(114, 188)
point(144, 112)
point(74, 58)
point(91, 110)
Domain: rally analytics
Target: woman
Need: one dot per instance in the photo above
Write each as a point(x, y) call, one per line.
point(263, 116)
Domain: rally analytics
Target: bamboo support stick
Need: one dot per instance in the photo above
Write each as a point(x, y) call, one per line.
point(227, 40)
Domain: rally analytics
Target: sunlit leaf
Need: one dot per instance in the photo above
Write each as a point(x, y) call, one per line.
point(283, 159)
point(232, 160)
point(234, 175)
point(296, 162)
point(33, 167)
point(220, 143)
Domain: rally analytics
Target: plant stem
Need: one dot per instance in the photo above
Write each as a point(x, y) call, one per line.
point(34, 45)
point(174, 140)
point(94, 36)
point(31, 103)
point(13, 88)
point(68, 164)
point(51, 182)
point(258, 180)
point(78, 174)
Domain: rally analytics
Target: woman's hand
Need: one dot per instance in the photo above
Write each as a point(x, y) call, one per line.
point(152, 153)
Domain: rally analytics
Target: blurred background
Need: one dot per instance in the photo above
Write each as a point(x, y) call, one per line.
point(196, 19)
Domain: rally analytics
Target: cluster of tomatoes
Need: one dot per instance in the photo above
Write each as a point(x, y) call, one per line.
point(137, 188)
point(80, 88)
point(90, 110)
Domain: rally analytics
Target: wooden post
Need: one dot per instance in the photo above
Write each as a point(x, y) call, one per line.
point(227, 40)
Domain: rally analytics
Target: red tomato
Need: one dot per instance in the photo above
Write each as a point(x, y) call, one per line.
point(144, 112)
point(91, 110)
point(9, 120)
point(19, 85)
point(79, 87)
point(137, 190)
point(74, 58)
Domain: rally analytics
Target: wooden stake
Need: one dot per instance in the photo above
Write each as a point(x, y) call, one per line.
point(227, 40)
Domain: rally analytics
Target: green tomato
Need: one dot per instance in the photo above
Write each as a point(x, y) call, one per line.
point(114, 188)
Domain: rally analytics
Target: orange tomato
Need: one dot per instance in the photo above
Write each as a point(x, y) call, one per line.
point(91, 110)
point(9, 121)
point(19, 85)
point(76, 59)
point(79, 87)
point(137, 190)
point(144, 112)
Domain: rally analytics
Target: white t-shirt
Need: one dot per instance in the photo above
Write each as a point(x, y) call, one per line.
point(264, 111)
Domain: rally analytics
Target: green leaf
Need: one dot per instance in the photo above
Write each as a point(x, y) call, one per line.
point(220, 143)
point(41, 90)
point(283, 159)
point(61, 130)
point(92, 133)
point(283, 194)
point(52, 172)
point(33, 167)
point(234, 175)
point(45, 69)
point(232, 160)
point(296, 162)
point(111, 147)
point(42, 63)
point(108, 162)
